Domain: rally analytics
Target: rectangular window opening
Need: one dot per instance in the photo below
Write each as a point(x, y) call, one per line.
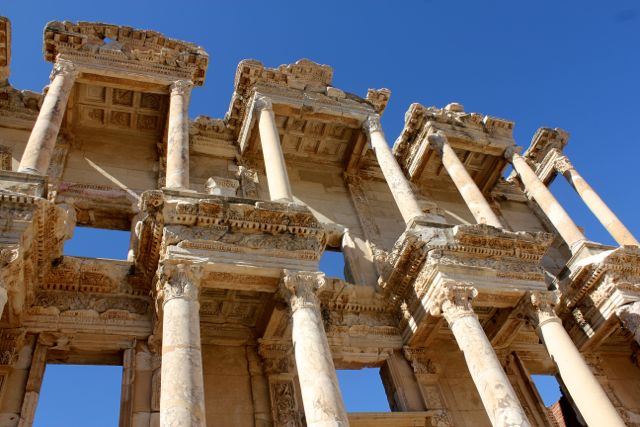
point(362, 390)
point(98, 243)
point(548, 388)
point(332, 263)
point(79, 395)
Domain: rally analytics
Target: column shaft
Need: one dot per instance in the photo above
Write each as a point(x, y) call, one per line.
point(275, 166)
point(584, 388)
point(607, 218)
point(497, 394)
point(4, 298)
point(181, 380)
point(549, 205)
point(467, 187)
point(42, 140)
point(177, 175)
point(398, 184)
point(321, 397)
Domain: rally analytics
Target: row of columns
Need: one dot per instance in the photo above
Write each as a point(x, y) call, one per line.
point(182, 386)
point(495, 390)
point(41, 143)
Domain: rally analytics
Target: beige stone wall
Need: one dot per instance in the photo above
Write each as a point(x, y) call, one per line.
point(227, 386)
point(102, 160)
point(323, 189)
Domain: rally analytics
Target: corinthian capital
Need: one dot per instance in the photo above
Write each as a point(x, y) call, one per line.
point(539, 306)
point(63, 68)
point(372, 124)
point(262, 102)
point(299, 288)
point(562, 164)
point(453, 301)
point(181, 87)
point(437, 140)
point(180, 281)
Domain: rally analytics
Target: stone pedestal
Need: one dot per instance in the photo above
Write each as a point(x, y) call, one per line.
point(467, 187)
point(321, 397)
point(178, 135)
point(494, 388)
point(42, 141)
point(398, 183)
point(549, 205)
point(182, 385)
point(585, 390)
point(607, 218)
point(275, 167)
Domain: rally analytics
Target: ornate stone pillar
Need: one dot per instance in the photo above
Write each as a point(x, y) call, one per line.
point(321, 397)
point(275, 167)
point(607, 218)
point(629, 315)
point(494, 388)
point(467, 187)
point(549, 205)
point(585, 390)
point(181, 380)
point(37, 154)
point(397, 182)
point(178, 135)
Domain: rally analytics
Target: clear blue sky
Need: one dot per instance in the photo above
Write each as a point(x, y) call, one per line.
point(573, 65)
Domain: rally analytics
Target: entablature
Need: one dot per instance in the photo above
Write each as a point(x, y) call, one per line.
point(110, 50)
point(479, 142)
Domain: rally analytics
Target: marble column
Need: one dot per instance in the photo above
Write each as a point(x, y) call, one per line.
point(607, 218)
point(42, 140)
point(467, 187)
point(275, 167)
point(321, 397)
point(542, 195)
point(398, 184)
point(181, 379)
point(585, 390)
point(4, 298)
point(177, 175)
point(629, 315)
point(497, 394)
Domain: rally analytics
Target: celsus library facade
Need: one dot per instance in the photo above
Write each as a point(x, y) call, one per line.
point(461, 282)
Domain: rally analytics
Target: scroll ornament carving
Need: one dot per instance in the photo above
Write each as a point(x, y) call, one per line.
point(420, 363)
point(181, 87)
point(454, 301)
point(63, 68)
point(629, 315)
point(540, 306)
point(372, 124)
point(563, 164)
point(299, 288)
point(284, 404)
point(183, 282)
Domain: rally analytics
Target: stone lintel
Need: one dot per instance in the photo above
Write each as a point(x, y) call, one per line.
point(143, 53)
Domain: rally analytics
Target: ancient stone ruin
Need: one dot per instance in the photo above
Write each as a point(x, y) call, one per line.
point(460, 284)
